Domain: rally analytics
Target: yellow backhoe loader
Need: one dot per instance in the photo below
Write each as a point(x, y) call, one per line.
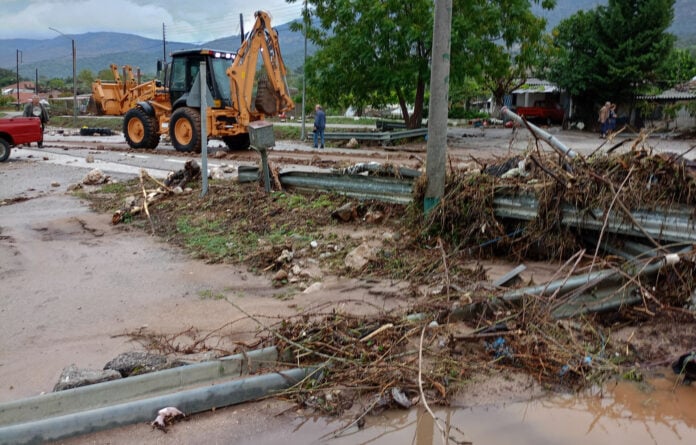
point(117, 97)
point(230, 80)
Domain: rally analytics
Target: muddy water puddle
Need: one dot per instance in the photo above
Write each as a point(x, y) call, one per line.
point(655, 413)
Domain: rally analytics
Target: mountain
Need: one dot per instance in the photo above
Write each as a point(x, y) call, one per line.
point(682, 26)
point(97, 50)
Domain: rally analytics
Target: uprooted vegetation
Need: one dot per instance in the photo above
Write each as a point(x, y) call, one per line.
point(454, 323)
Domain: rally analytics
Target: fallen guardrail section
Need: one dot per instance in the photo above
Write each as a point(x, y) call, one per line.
point(385, 137)
point(192, 389)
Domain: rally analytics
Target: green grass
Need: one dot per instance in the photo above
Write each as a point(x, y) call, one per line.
point(209, 294)
point(112, 123)
point(116, 187)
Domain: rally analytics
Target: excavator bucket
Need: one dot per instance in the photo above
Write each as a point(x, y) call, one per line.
point(266, 101)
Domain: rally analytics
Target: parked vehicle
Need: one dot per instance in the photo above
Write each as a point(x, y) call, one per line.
point(543, 111)
point(230, 80)
point(16, 131)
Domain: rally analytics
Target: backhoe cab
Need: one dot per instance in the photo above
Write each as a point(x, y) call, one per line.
point(230, 82)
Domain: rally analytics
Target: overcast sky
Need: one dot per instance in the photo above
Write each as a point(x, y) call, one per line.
point(193, 21)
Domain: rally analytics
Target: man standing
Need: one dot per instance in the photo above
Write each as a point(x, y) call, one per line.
point(603, 118)
point(36, 109)
point(319, 126)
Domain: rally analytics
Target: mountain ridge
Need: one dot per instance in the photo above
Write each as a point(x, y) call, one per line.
point(97, 50)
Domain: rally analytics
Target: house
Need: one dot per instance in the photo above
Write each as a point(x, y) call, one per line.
point(26, 91)
point(682, 97)
point(536, 90)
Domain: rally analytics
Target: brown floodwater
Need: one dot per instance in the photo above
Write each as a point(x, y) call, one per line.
point(656, 413)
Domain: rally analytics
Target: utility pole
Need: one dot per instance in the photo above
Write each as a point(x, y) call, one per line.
point(74, 82)
point(164, 44)
point(437, 115)
point(241, 28)
point(18, 53)
point(36, 82)
point(74, 74)
point(304, 72)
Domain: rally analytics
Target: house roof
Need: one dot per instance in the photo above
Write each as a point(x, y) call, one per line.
point(671, 94)
point(535, 85)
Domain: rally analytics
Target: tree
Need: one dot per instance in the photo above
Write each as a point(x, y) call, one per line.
point(611, 52)
point(376, 52)
point(678, 67)
point(84, 80)
point(501, 41)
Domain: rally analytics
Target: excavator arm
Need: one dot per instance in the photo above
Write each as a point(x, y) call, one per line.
point(272, 95)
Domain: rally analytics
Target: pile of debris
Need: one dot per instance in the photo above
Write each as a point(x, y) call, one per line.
point(623, 226)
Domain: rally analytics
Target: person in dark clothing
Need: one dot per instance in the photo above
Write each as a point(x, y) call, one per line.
point(36, 109)
point(319, 126)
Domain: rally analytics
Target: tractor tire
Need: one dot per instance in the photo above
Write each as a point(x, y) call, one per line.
point(185, 130)
point(140, 129)
point(4, 150)
point(237, 142)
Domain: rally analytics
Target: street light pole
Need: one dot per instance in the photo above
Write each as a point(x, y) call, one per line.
point(74, 74)
point(304, 71)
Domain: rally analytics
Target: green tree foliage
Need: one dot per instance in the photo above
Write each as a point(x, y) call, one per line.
point(500, 42)
point(375, 52)
point(8, 77)
point(679, 67)
point(84, 81)
point(106, 74)
point(612, 51)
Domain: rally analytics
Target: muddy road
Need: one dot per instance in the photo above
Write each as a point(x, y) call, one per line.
point(72, 285)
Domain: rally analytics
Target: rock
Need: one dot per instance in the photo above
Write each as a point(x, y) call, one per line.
point(281, 275)
point(346, 212)
point(361, 256)
point(374, 217)
point(74, 187)
point(89, 159)
point(95, 177)
point(177, 190)
point(314, 244)
point(129, 201)
point(353, 143)
point(312, 272)
point(313, 288)
point(74, 377)
point(136, 363)
point(285, 257)
point(55, 184)
point(217, 173)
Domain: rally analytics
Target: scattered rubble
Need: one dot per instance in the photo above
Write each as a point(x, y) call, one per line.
point(74, 377)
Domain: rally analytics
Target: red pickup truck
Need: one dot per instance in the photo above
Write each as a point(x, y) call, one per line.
point(16, 131)
point(547, 112)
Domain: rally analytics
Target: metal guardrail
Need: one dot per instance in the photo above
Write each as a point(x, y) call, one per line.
point(383, 136)
point(674, 224)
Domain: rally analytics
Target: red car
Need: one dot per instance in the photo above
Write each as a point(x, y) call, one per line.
point(16, 131)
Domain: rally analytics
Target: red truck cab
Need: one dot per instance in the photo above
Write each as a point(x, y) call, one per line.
point(16, 131)
point(545, 111)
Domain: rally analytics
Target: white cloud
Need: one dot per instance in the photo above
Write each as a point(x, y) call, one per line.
point(184, 20)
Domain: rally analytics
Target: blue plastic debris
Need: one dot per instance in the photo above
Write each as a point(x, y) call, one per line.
point(499, 348)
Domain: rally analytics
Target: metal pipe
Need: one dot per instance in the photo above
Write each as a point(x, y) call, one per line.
point(635, 269)
point(190, 402)
point(538, 132)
